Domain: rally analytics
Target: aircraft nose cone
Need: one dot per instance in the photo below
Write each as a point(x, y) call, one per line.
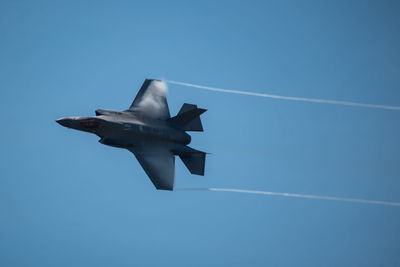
point(64, 122)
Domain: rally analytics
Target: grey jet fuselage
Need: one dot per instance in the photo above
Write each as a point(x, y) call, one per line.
point(125, 129)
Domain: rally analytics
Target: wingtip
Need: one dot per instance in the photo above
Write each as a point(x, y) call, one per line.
point(203, 110)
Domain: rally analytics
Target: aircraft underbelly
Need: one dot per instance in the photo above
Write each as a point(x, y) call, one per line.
point(131, 138)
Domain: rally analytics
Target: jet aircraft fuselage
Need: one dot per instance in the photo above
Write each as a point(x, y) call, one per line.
point(124, 129)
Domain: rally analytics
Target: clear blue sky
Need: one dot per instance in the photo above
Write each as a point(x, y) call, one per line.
point(66, 200)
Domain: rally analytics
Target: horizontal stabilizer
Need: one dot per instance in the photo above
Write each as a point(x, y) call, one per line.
point(188, 118)
point(193, 159)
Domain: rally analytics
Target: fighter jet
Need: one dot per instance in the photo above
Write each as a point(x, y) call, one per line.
point(147, 130)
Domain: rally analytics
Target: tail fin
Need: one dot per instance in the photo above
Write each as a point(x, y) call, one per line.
point(188, 118)
point(193, 159)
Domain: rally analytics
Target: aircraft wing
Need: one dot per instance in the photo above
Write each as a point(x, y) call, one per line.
point(159, 165)
point(151, 100)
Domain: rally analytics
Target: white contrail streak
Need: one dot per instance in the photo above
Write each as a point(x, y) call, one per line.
point(354, 200)
point(293, 98)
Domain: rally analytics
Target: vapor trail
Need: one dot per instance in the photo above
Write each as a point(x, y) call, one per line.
point(293, 98)
point(354, 200)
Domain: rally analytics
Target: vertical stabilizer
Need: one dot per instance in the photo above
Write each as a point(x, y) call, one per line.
point(188, 118)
